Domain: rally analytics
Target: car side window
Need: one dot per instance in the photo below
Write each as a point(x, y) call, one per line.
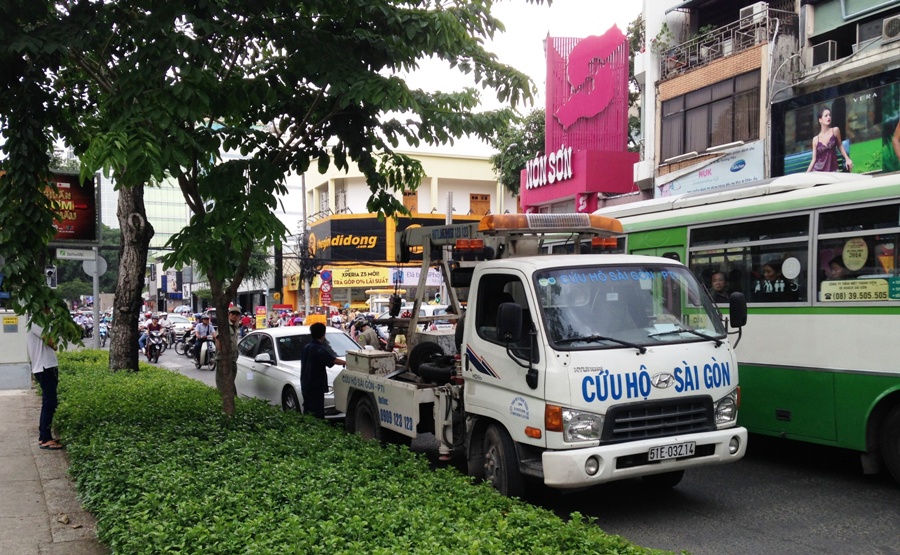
point(248, 345)
point(266, 346)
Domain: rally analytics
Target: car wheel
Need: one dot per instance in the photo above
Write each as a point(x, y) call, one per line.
point(890, 443)
point(501, 462)
point(665, 480)
point(289, 400)
point(424, 352)
point(364, 419)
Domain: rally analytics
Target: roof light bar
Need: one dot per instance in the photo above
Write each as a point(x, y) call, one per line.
point(549, 223)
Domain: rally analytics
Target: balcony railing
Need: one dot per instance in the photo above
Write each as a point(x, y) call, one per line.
point(725, 41)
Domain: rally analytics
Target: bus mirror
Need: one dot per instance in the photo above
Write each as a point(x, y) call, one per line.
point(509, 322)
point(737, 310)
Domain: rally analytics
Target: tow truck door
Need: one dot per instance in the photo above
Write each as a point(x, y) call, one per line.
point(498, 383)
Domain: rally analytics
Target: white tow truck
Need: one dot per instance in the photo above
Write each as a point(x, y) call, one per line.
point(573, 369)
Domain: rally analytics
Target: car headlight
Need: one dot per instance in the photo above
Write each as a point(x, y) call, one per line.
point(726, 408)
point(581, 426)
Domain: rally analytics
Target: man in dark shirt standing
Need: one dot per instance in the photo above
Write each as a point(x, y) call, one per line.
point(314, 359)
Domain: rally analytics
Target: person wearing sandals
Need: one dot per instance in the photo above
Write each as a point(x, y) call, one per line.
point(45, 368)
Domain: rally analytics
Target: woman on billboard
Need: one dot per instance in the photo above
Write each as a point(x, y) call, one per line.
point(825, 147)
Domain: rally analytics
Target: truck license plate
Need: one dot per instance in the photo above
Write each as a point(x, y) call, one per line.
point(674, 451)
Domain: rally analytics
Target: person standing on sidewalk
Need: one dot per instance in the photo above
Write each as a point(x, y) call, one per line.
point(45, 368)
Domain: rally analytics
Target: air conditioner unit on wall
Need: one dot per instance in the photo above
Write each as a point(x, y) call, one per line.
point(757, 12)
point(824, 52)
point(890, 29)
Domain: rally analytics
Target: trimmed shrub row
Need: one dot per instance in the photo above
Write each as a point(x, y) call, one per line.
point(164, 471)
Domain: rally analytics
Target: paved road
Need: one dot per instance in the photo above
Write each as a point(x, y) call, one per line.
point(783, 498)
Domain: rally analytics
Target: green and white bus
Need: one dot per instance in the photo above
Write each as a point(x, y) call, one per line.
point(816, 256)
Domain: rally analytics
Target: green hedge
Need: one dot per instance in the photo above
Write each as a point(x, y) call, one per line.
point(163, 471)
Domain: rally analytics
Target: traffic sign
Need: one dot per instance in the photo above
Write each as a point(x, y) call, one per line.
point(89, 266)
point(75, 254)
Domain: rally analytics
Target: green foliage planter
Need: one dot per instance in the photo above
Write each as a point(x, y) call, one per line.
point(164, 471)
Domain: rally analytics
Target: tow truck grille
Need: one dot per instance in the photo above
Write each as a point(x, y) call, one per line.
point(658, 419)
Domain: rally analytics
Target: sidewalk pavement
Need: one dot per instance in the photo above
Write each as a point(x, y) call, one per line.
point(39, 512)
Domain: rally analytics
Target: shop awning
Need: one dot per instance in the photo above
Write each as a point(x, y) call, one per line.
point(689, 5)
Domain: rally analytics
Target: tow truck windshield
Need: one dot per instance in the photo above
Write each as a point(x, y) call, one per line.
point(630, 305)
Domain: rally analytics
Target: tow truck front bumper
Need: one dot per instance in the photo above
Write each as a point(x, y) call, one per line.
point(570, 468)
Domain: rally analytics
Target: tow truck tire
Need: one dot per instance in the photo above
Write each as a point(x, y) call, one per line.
point(665, 480)
point(289, 400)
point(501, 462)
point(890, 443)
point(426, 351)
point(363, 419)
point(435, 373)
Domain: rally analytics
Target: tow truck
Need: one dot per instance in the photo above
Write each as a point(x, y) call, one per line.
point(573, 369)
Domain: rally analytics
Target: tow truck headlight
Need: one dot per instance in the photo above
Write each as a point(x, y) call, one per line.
point(726, 408)
point(581, 426)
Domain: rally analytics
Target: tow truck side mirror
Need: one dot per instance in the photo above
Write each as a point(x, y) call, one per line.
point(509, 322)
point(737, 310)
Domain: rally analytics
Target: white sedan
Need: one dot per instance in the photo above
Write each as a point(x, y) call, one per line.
point(268, 365)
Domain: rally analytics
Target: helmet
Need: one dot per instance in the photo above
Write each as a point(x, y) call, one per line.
point(360, 322)
point(234, 310)
point(147, 315)
point(205, 317)
point(155, 317)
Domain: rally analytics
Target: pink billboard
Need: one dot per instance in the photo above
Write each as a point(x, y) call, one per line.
point(586, 127)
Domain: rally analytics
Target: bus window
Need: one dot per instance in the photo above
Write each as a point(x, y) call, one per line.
point(766, 260)
point(764, 274)
point(856, 269)
point(856, 255)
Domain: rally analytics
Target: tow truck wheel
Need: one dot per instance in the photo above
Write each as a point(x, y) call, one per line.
point(501, 462)
point(890, 442)
point(363, 419)
point(665, 480)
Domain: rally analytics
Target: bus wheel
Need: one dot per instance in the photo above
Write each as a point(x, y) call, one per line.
point(890, 442)
point(363, 419)
point(501, 462)
point(665, 480)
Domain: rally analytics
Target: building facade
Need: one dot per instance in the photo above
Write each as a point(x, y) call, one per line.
point(733, 91)
point(356, 252)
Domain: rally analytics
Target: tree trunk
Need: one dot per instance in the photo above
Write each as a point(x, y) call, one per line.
point(226, 367)
point(136, 234)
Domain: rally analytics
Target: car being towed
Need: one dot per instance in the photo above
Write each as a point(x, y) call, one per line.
point(268, 365)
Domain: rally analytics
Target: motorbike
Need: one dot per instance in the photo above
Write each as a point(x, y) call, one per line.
point(154, 346)
point(185, 343)
point(104, 334)
point(207, 355)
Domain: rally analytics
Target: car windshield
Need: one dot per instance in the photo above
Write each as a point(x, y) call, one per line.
point(638, 305)
point(290, 346)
